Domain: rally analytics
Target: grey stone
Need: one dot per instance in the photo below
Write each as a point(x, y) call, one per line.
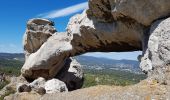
point(71, 74)
point(55, 86)
point(37, 32)
point(156, 59)
point(23, 88)
point(38, 83)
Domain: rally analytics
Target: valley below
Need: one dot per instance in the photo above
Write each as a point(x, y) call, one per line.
point(97, 71)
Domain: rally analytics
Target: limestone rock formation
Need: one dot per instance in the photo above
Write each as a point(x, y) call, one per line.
point(41, 33)
point(83, 35)
point(156, 59)
point(38, 31)
point(107, 26)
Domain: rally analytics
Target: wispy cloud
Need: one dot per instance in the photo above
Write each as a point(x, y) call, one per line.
point(65, 11)
point(10, 48)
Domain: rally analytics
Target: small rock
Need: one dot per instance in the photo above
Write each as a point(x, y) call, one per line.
point(40, 82)
point(41, 91)
point(55, 86)
point(24, 88)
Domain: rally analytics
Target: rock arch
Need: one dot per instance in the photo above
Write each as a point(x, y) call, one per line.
point(107, 25)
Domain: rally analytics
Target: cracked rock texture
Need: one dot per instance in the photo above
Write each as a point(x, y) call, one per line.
point(143, 11)
point(157, 56)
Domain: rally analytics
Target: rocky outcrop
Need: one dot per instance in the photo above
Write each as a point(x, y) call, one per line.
point(83, 35)
point(41, 33)
point(107, 26)
point(38, 31)
point(156, 59)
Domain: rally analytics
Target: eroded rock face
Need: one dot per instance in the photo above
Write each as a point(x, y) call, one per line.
point(143, 11)
point(71, 74)
point(156, 59)
point(37, 32)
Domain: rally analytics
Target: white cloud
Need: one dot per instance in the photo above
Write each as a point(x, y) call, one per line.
point(65, 11)
point(116, 55)
point(11, 48)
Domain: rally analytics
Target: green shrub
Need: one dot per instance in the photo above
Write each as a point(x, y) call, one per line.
point(3, 84)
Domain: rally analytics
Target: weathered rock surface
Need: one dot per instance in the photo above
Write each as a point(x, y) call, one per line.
point(38, 31)
point(156, 59)
point(55, 86)
point(142, 11)
point(38, 83)
point(71, 74)
point(41, 86)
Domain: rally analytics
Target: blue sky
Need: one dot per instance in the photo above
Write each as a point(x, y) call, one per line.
point(15, 13)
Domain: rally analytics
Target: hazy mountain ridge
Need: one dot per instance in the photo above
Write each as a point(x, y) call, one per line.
point(12, 56)
point(89, 62)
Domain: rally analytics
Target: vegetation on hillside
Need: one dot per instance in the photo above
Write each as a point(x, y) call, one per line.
point(92, 76)
point(10, 67)
point(111, 77)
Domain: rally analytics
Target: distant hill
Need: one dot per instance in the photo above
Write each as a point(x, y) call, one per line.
point(104, 63)
point(12, 56)
point(88, 62)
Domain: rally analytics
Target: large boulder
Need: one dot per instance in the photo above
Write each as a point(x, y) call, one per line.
point(45, 65)
point(37, 32)
point(157, 56)
point(41, 38)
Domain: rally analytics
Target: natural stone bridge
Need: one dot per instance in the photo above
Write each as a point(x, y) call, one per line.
point(107, 26)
